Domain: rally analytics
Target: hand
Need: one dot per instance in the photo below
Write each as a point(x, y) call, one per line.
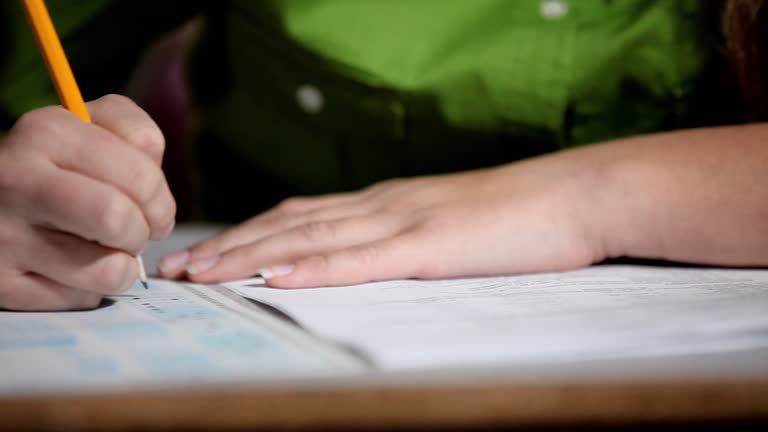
point(524, 217)
point(77, 202)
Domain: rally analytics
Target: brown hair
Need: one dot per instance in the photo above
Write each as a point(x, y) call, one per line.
point(745, 31)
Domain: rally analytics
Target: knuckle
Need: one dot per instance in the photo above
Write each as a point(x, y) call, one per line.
point(159, 205)
point(148, 137)
point(205, 247)
point(147, 181)
point(161, 216)
point(366, 255)
point(36, 128)
point(319, 264)
point(114, 216)
point(114, 273)
point(318, 230)
point(39, 119)
point(413, 200)
point(49, 195)
point(429, 222)
point(168, 213)
point(393, 182)
point(384, 186)
point(291, 205)
point(9, 180)
point(117, 99)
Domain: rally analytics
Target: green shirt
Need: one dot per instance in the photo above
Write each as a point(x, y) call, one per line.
point(492, 63)
point(314, 96)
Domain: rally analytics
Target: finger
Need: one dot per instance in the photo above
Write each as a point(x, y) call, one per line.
point(102, 156)
point(259, 228)
point(313, 238)
point(394, 258)
point(132, 173)
point(304, 204)
point(74, 262)
point(70, 202)
point(300, 210)
point(173, 266)
point(121, 116)
point(31, 292)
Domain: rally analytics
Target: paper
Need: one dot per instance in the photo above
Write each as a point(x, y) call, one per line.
point(167, 335)
point(597, 312)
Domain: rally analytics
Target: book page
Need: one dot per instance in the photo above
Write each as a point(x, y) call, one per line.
point(168, 335)
point(599, 312)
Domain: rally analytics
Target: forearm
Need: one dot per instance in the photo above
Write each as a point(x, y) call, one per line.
point(695, 196)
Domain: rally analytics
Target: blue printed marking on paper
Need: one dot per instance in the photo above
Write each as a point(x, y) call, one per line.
point(241, 342)
point(32, 333)
point(43, 341)
point(186, 312)
point(128, 329)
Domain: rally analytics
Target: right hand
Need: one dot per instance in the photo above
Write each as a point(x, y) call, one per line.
point(78, 202)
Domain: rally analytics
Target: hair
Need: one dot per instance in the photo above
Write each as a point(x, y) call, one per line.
point(744, 25)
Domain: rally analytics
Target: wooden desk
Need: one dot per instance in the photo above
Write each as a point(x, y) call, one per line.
point(680, 390)
point(381, 406)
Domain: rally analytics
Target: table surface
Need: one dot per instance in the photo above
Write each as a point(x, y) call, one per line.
point(380, 405)
point(677, 390)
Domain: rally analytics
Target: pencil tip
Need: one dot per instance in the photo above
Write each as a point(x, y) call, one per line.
point(146, 285)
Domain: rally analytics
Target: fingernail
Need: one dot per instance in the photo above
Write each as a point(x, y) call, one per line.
point(173, 262)
point(202, 265)
point(275, 271)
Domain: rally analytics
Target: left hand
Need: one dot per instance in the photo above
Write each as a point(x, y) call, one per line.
point(536, 215)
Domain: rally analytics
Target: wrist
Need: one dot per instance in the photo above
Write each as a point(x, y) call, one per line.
point(578, 197)
point(624, 208)
point(591, 208)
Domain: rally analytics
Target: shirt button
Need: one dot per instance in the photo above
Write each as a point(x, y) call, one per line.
point(553, 9)
point(310, 99)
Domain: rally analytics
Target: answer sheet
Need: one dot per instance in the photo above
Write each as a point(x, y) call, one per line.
point(599, 312)
point(170, 334)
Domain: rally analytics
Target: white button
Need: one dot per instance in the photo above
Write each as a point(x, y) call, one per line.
point(554, 9)
point(310, 99)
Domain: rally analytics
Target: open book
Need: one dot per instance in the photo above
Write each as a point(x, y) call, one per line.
point(177, 333)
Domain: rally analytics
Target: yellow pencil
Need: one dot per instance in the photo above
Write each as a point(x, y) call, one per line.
point(60, 72)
